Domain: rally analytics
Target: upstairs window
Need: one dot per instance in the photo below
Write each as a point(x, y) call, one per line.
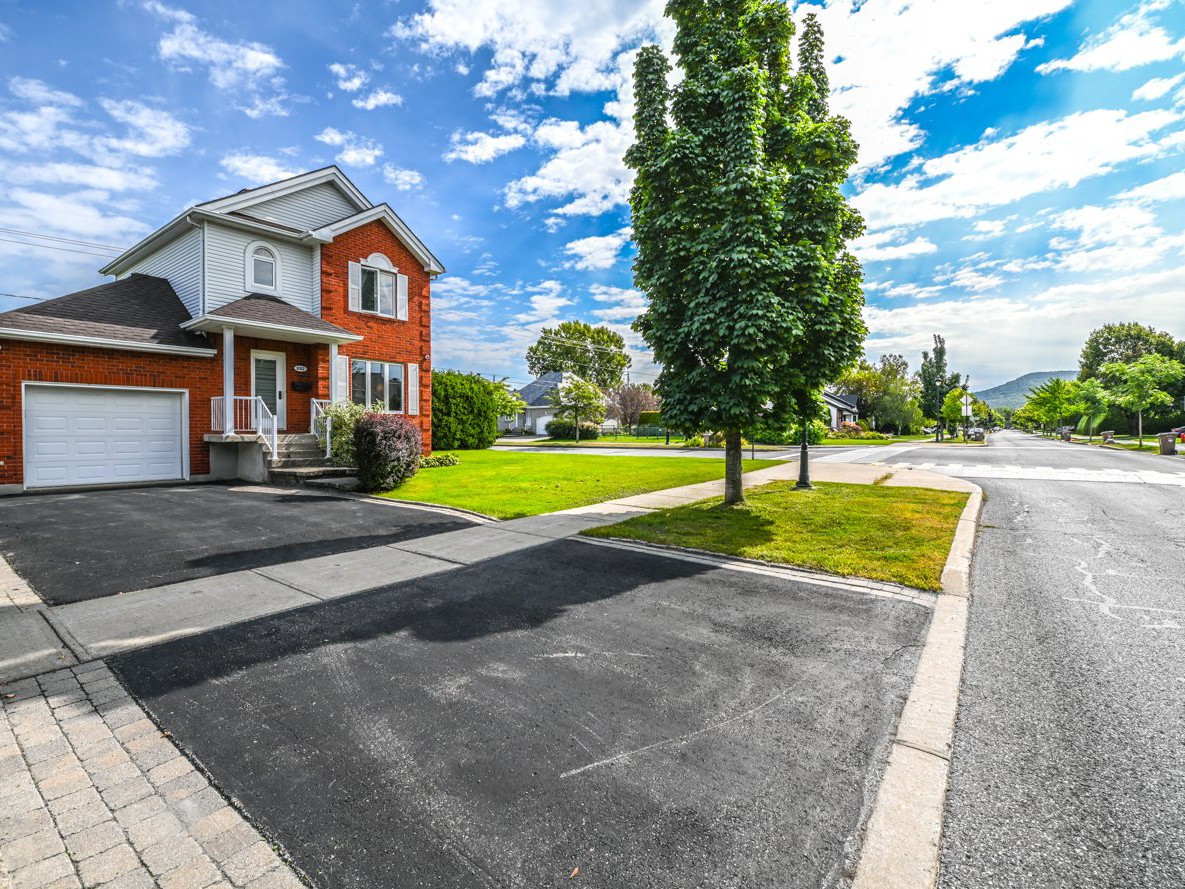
point(377, 288)
point(263, 269)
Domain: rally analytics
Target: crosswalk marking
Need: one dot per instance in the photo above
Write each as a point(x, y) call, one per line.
point(1048, 473)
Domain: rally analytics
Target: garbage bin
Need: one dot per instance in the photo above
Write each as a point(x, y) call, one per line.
point(1168, 443)
point(1067, 435)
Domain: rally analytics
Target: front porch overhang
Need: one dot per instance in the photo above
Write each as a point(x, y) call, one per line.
point(265, 330)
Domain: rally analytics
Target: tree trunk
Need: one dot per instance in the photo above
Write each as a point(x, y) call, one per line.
point(576, 419)
point(734, 490)
point(804, 466)
point(1140, 428)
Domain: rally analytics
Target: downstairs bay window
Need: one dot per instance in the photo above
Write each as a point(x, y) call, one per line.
point(378, 382)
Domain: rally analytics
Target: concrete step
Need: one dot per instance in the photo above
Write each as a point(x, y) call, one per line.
point(288, 462)
point(298, 475)
point(300, 452)
point(338, 482)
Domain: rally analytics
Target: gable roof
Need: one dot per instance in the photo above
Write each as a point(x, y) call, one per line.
point(234, 210)
point(536, 393)
point(139, 312)
point(845, 402)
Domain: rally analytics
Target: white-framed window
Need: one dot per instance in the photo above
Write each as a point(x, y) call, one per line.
point(377, 288)
point(378, 382)
point(262, 268)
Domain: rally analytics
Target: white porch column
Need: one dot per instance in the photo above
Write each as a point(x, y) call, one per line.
point(228, 380)
point(332, 371)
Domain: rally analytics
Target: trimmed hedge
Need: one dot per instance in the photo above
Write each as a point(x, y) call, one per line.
point(438, 460)
point(387, 449)
point(567, 429)
point(650, 418)
point(464, 411)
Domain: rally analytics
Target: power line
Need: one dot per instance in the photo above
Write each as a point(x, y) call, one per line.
point(17, 231)
point(56, 247)
point(22, 296)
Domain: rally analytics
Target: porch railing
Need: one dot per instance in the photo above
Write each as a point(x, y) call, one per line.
point(251, 414)
point(320, 422)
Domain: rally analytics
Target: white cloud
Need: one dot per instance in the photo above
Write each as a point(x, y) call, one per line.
point(256, 168)
point(90, 176)
point(1132, 41)
point(1169, 188)
point(547, 298)
point(1027, 331)
point(624, 303)
point(481, 148)
point(248, 70)
point(355, 150)
point(379, 98)
point(152, 132)
point(402, 178)
point(5, 33)
point(1118, 236)
point(37, 92)
point(349, 77)
point(1156, 88)
point(598, 251)
point(867, 250)
point(992, 173)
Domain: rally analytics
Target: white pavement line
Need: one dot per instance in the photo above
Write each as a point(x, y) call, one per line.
point(753, 566)
point(902, 840)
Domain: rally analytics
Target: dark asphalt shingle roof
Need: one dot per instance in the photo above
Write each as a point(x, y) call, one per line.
point(136, 309)
point(536, 393)
point(850, 401)
point(272, 310)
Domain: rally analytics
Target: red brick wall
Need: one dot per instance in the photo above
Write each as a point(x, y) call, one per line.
point(48, 363)
point(385, 339)
point(296, 353)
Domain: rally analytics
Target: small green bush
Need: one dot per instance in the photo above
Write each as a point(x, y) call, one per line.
point(343, 415)
point(816, 432)
point(387, 448)
point(438, 460)
point(464, 411)
point(650, 418)
point(566, 429)
point(693, 441)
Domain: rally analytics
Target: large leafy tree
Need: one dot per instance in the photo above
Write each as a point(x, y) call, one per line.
point(1094, 401)
point(1053, 401)
point(754, 302)
point(627, 402)
point(887, 394)
point(1123, 344)
point(595, 354)
point(936, 382)
point(580, 401)
point(1141, 385)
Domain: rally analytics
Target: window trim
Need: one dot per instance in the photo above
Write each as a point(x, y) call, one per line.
point(249, 269)
point(368, 398)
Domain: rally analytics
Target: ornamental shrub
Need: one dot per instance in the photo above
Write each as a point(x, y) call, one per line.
point(343, 416)
point(464, 411)
point(438, 460)
point(816, 432)
point(387, 448)
point(650, 418)
point(566, 429)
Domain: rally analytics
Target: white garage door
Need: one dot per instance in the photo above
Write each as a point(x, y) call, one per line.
point(88, 435)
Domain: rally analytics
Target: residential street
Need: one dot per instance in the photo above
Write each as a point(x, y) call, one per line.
point(1069, 765)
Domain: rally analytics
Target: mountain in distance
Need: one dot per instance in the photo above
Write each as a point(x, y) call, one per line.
point(1013, 393)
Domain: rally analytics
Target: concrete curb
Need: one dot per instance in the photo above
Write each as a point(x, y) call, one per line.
point(902, 840)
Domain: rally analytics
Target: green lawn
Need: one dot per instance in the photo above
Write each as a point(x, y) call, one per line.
point(621, 441)
point(512, 484)
point(901, 535)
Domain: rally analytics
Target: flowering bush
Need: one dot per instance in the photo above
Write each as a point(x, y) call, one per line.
point(437, 460)
point(387, 448)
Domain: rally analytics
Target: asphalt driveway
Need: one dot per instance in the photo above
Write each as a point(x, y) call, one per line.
point(649, 721)
point(71, 547)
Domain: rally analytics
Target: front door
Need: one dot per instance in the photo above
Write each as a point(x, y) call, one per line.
point(267, 383)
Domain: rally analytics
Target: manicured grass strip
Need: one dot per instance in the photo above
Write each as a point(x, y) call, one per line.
point(512, 484)
point(901, 535)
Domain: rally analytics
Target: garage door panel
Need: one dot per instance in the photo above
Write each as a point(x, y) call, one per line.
point(80, 435)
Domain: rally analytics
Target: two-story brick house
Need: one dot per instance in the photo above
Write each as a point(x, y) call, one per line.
point(233, 324)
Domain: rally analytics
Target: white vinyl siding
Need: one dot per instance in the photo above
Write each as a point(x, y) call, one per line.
point(180, 262)
point(308, 208)
point(226, 252)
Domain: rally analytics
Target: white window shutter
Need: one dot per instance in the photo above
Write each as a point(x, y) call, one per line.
point(413, 389)
point(355, 287)
point(401, 311)
point(341, 387)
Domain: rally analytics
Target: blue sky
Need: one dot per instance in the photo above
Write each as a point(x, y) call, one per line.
point(1022, 165)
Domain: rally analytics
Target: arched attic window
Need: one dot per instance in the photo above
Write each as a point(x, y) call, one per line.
point(262, 268)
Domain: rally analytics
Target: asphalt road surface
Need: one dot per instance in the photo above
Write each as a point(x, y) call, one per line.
point(650, 721)
point(1069, 761)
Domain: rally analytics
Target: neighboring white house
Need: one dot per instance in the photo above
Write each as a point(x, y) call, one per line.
point(539, 410)
point(841, 408)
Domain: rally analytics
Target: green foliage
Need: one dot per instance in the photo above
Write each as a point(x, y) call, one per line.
point(1123, 344)
point(630, 401)
point(1094, 401)
point(1140, 384)
point(578, 401)
point(387, 448)
point(650, 418)
point(438, 460)
point(596, 354)
point(506, 401)
point(566, 430)
point(817, 432)
point(342, 416)
point(740, 221)
point(936, 382)
point(1053, 402)
point(886, 393)
point(855, 432)
point(465, 410)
